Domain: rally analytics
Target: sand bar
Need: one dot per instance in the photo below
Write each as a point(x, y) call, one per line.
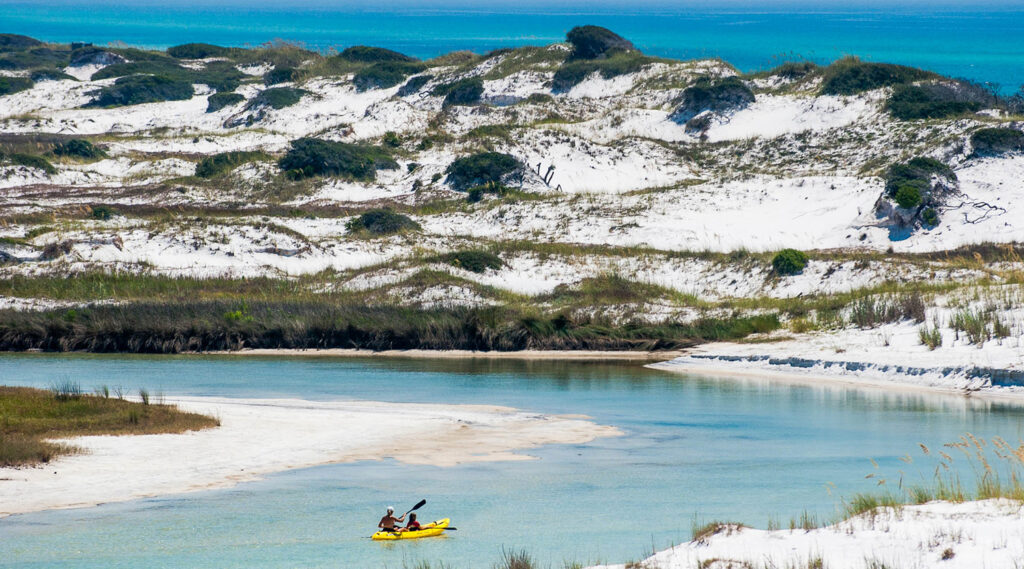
point(262, 436)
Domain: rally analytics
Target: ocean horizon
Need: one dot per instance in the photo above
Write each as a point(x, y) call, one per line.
point(979, 41)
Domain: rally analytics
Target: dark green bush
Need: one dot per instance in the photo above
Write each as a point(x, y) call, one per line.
point(996, 141)
point(413, 85)
point(909, 102)
point(482, 168)
point(166, 67)
point(279, 75)
point(17, 42)
point(908, 196)
point(314, 157)
point(381, 222)
point(78, 148)
point(103, 212)
point(276, 98)
point(930, 217)
point(198, 51)
point(385, 74)
point(713, 95)
point(30, 161)
point(225, 162)
point(50, 75)
point(794, 69)
point(367, 54)
point(789, 262)
point(34, 58)
point(916, 172)
point(11, 85)
point(850, 76)
point(391, 139)
point(592, 42)
point(572, 72)
point(219, 75)
point(138, 89)
point(466, 91)
point(218, 101)
point(473, 260)
point(92, 55)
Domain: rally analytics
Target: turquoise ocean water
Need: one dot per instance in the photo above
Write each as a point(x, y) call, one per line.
point(976, 40)
point(719, 449)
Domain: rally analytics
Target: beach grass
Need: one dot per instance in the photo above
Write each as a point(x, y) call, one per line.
point(31, 418)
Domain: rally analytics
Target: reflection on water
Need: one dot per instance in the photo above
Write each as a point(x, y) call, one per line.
point(742, 449)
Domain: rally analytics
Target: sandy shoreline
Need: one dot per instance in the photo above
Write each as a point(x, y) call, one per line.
point(577, 355)
point(262, 436)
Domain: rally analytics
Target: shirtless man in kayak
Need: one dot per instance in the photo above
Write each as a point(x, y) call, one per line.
point(389, 521)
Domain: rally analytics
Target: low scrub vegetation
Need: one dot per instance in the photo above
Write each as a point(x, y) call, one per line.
point(385, 74)
point(368, 54)
point(276, 98)
point(473, 260)
point(218, 101)
point(199, 51)
point(413, 85)
point(483, 168)
point(997, 141)
point(78, 148)
point(466, 91)
point(280, 75)
point(718, 96)
point(139, 89)
point(574, 71)
point(11, 85)
point(382, 222)
point(931, 101)
point(218, 75)
point(789, 262)
point(872, 311)
point(224, 162)
point(310, 157)
point(850, 76)
point(593, 42)
point(32, 416)
point(28, 160)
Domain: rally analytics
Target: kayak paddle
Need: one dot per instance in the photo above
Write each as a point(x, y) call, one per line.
point(416, 507)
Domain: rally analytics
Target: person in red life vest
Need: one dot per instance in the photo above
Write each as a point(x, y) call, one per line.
point(413, 525)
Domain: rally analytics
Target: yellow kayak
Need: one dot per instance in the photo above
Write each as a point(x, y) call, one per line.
point(427, 530)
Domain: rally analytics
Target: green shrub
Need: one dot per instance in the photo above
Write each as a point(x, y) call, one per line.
point(572, 72)
point(314, 157)
point(91, 55)
point(996, 141)
point(103, 212)
point(482, 168)
point(218, 101)
point(850, 76)
point(593, 42)
point(165, 67)
point(473, 260)
point(198, 51)
point(225, 162)
point(910, 102)
point(219, 75)
point(916, 172)
point(279, 75)
point(138, 89)
point(413, 85)
point(366, 54)
point(466, 91)
point(276, 98)
point(930, 217)
point(29, 161)
point(17, 42)
point(794, 69)
point(11, 85)
point(78, 148)
point(391, 139)
point(381, 222)
point(50, 75)
point(385, 74)
point(34, 58)
point(789, 262)
point(717, 96)
point(908, 196)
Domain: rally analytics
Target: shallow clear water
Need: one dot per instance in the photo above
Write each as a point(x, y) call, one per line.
point(977, 40)
point(721, 449)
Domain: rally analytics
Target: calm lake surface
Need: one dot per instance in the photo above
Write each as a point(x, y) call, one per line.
point(749, 451)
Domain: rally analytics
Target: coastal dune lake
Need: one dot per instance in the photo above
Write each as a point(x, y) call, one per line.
point(693, 448)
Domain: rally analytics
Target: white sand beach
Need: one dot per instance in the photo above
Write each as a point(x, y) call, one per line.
point(262, 436)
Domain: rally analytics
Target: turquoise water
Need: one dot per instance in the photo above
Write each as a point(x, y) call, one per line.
point(723, 449)
point(976, 40)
